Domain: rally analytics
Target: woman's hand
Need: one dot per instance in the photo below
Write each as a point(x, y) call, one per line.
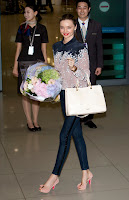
point(15, 68)
point(15, 72)
point(71, 65)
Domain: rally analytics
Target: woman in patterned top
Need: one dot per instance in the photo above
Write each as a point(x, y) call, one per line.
point(71, 60)
point(31, 42)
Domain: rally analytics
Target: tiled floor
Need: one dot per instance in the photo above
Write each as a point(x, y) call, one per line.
point(27, 159)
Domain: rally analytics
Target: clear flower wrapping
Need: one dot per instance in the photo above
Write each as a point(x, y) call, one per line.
point(42, 83)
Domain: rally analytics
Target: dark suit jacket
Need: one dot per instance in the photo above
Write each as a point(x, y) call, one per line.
point(95, 46)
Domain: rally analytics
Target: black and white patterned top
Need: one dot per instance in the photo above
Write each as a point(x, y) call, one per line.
point(77, 51)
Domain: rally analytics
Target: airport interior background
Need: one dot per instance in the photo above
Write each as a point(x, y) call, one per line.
point(27, 159)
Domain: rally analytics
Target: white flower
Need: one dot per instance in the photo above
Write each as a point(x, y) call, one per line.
point(34, 80)
point(30, 86)
point(51, 81)
point(25, 85)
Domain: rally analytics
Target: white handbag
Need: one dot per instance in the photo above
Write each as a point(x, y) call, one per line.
point(84, 101)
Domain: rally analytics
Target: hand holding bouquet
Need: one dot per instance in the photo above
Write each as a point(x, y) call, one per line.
point(42, 82)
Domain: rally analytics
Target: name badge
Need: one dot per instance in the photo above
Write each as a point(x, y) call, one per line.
point(94, 33)
point(37, 34)
point(31, 50)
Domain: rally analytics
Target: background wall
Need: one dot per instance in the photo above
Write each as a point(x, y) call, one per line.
point(113, 17)
point(0, 58)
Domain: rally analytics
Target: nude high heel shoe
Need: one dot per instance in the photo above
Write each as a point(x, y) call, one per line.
point(81, 186)
point(46, 189)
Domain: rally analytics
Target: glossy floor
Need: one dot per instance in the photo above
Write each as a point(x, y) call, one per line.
point(27, 159)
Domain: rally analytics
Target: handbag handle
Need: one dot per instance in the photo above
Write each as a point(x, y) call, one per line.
point(77, 86)
point(81, 116)
point(88, 82)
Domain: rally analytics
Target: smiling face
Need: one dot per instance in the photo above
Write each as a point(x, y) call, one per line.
point(29, 14)
point(67, 29)
point(83, 10)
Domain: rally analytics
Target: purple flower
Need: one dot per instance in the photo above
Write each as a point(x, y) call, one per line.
point(40, 89)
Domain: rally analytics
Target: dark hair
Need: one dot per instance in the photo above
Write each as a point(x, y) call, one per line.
point(34, 8)
point(69, 17)
point(85, 1)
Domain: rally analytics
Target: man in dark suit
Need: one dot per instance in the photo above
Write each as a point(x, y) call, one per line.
point(89, 31)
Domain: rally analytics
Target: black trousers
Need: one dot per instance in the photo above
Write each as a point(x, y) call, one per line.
point(87, 118)
point(50, 4)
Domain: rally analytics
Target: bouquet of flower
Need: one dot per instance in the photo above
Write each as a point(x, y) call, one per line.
point(42, 82)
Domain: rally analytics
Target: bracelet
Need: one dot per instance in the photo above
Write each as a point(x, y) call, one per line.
point(75, 68)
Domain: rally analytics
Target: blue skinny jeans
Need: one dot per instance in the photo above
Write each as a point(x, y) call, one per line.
point(71, 127)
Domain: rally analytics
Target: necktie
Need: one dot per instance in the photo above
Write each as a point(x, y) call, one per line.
point(83, 31)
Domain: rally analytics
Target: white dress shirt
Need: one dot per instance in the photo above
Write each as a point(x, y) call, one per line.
point(86, 23)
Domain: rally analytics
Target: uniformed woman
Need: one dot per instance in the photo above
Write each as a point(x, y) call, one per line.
point(31, 40)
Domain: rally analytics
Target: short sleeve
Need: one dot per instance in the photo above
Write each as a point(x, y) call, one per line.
point(44, 35)
point(53, 48)
point(19, 36)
